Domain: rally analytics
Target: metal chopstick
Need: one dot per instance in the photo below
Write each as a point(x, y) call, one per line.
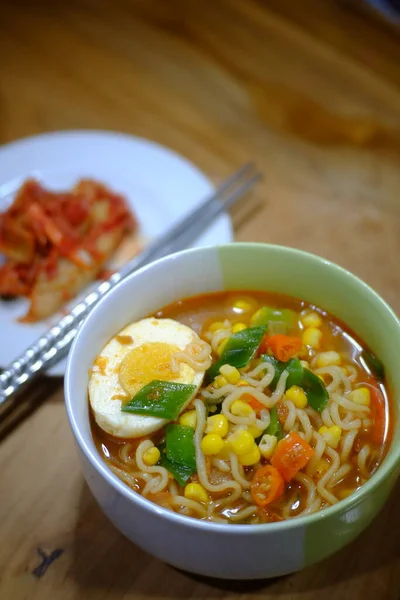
point(55, 344)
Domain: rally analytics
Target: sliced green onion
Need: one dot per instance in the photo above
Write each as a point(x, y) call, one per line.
point(293, 366)
point(180, 472)
point(239, 350)
point(179, 443)
point(274, 427)
point(316, 392)
point(164, 399)
point(374, 364)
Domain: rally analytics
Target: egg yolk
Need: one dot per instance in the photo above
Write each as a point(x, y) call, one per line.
point(146, 363)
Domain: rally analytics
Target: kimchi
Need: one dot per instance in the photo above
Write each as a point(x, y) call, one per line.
point(57, 243)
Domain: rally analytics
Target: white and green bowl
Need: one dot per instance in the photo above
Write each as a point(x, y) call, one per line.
point(235, 551)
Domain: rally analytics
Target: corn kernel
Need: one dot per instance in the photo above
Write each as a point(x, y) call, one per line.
point(242, 306)
point(241, 441)
point(195, 491)
point(241, 409)
point(312, 337)
point(230, 373)
point(255, 430)
point(336, 430)
point(225, 452)
point(188, 419)
point(267, 445)
point(221, 347)
point(242, 383)
point(216, 326)
point(331, 435)
point(238, 327)
point(305, 364)
point(297, 396)
point(211, 444)
point(361, 396)
point(217, 424)
point(151, 456)
point(250, 458)
point(312, 320)
point(220, 381)
point(326, 359)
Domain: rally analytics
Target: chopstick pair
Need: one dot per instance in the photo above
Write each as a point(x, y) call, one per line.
point(55, 344)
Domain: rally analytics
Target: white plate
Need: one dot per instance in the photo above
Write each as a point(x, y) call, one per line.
point(160, 185)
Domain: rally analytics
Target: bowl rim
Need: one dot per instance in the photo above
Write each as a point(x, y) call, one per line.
point(389, 463)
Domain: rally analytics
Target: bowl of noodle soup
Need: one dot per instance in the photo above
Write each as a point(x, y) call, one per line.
point(236, 408)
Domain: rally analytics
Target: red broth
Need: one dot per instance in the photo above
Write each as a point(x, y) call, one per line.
point(335, 474)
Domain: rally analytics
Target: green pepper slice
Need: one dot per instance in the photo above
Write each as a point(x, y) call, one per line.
point(239, 350)
point(274, 427)
point(164, 399)
point(316, 392)
point(179, 443)
point(266, 314)
point(181, 472)
point(293, 366)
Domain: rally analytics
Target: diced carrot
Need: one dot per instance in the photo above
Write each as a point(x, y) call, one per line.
point(282, 412)
point(284, 347)
point(255, 404)
point(267, 485)
point(291, 454)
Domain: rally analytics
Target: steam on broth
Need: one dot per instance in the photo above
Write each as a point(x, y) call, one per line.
point(246, 407)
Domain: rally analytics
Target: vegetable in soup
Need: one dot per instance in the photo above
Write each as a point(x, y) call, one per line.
point(240, 407)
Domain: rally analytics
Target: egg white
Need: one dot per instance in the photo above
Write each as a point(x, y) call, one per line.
point(105, 387)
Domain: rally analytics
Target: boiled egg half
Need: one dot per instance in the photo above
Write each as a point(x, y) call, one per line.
point(139, 354)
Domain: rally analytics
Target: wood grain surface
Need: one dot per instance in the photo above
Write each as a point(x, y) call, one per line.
point(310, 89)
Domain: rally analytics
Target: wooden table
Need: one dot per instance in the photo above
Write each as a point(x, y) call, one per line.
point(310, 90)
